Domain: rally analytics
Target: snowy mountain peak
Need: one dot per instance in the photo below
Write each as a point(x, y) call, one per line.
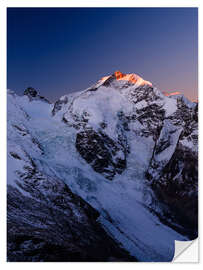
point(32, 94)
point(123, 79)
point(132, 78)
point(128, 151)
point(30, 91)
point(181, 98)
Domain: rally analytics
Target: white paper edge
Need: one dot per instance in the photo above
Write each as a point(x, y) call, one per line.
point(186, 251)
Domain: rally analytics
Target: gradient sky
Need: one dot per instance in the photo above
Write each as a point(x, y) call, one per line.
point(62, 50)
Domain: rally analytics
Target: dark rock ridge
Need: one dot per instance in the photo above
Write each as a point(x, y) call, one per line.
point(52, 224)
point(32, 94)
point(178, 188)
point(100, 152)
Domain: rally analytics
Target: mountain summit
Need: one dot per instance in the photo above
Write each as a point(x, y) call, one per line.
point(131, 78)
point(123, 79)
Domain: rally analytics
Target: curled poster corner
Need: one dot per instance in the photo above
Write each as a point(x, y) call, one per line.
point(186, 251)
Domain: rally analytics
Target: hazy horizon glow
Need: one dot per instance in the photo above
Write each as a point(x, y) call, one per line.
point(62, 50)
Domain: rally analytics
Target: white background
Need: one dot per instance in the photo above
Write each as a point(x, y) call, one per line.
point(82, 3)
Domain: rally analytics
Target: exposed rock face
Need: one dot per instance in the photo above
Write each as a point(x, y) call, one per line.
point(177, 187)
point(53, 224)
point(33, 95)
point(173, 170)
point(101, 152)
point(31, 92)
point(59, 104)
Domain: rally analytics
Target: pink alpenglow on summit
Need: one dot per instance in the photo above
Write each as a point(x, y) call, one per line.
point(131, 78)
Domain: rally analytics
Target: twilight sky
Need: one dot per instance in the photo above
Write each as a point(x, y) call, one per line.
point(62, 50)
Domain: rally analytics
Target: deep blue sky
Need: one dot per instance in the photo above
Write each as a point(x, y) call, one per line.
point(61, 50)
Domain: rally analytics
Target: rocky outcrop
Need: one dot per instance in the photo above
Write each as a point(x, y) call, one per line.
point(101, 152)
point(59, 104)
point(32, 94)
